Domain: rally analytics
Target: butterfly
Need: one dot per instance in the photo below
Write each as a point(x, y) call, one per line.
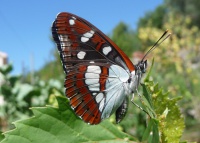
point(99, 75)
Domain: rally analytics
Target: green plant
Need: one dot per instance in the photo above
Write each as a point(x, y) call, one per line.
point(60, 124)
point(165, 113)
point(18, 97)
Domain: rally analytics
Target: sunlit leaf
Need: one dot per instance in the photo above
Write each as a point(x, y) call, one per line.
point(155, 137)
point(61, 125)
point(147, 131)
point(166, 123)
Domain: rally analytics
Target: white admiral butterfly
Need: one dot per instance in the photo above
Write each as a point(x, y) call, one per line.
point(99, 75)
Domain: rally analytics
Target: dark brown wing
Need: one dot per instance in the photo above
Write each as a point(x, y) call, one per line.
point(79, 41)
point(88, 56)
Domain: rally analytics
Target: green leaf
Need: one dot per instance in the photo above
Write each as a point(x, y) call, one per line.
point(149, 72)
point(5, 69)
point(61, 125)
point(148, 104)
point(155, 138)
point(147, 98)
point(171, 122)
point(151, 133)
point(23, 90)
point(1, 136)
point(147, 131)
point(165, 114)
point(13, 80)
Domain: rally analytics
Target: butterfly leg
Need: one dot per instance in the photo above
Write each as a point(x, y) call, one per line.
point(140, 96)
point(132, 100)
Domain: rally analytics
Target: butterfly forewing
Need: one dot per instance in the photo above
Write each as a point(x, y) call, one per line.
point(79, 41)
point(96, 69)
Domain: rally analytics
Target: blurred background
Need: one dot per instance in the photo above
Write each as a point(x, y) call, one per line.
point(30, 67)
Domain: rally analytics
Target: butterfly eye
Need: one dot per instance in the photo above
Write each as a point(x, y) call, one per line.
point(143, 66)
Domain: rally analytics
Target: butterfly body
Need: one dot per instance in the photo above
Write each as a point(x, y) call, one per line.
point(99, 75)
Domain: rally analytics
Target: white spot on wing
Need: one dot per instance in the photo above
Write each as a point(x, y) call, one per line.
point(84, 39)
point(107, 50)
point(71, 22)
point(87, 36)
point(92, 77)
point(94, 87)
point(94, 69)
point(81, 55)
point(99, 97)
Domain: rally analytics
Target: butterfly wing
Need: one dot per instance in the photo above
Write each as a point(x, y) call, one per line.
point(96, 68)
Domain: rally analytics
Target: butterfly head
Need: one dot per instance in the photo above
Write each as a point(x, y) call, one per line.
point(141, 66)
point(140, 70)
point(136, 76)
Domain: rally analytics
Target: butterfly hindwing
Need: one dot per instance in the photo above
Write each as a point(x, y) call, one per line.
point(95, 90)
point(85, 85)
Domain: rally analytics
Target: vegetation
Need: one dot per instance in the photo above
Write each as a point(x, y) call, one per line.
point(176, 69)
point(177, 60)
point(125, 38)
point(60, 124)
point(19, 96)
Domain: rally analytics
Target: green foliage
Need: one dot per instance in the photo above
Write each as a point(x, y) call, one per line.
point(187, 8)
point(1, 136)
point(151, 133)
point(177, 59)
point(171, 123)
point(18, 97)
point(154, 19)
point(51, 124)
point(176, 69)
point(13, 107)
point(164, 112)
point(52, 69)
point(125, 38)
point(158, 17)
point(60, 124)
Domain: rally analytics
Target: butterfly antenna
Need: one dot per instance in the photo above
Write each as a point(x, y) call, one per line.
point(158, 42)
